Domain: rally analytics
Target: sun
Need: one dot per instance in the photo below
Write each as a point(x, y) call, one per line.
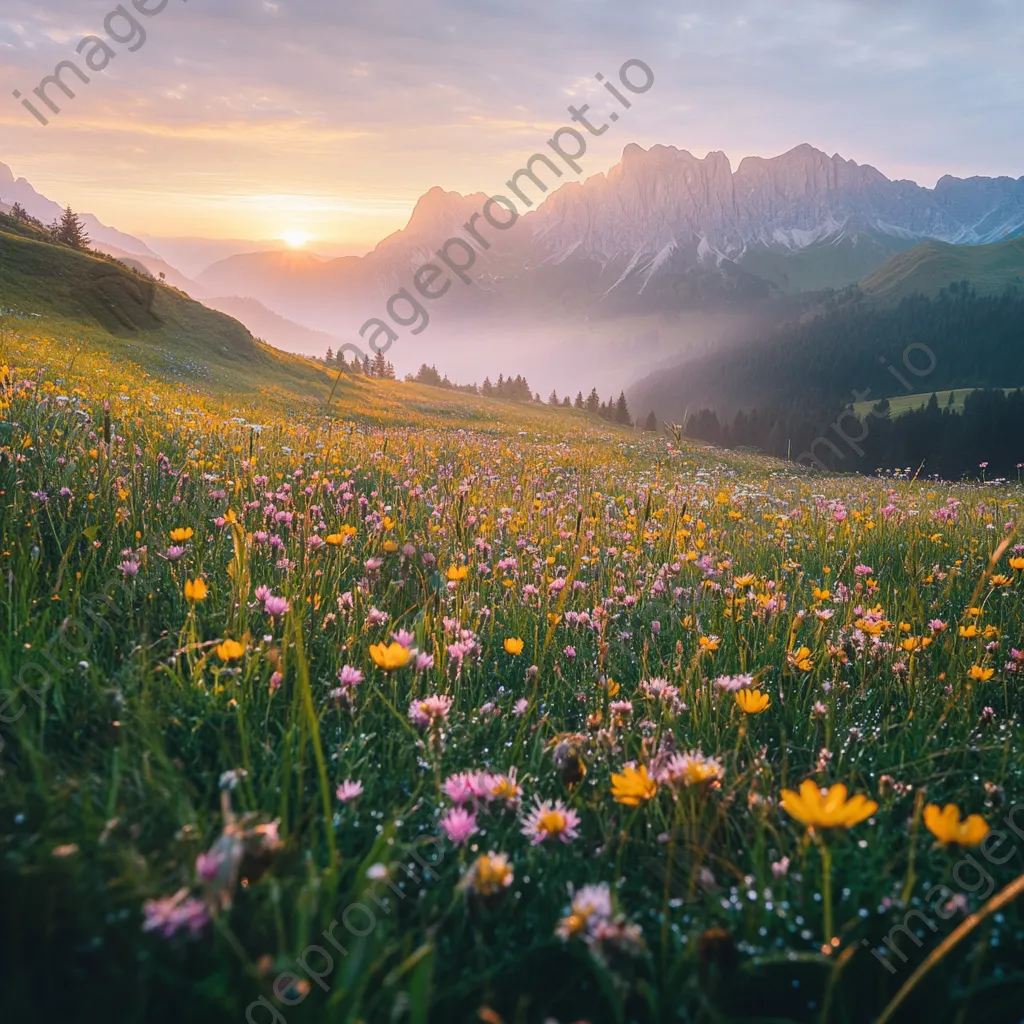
point(295, 239)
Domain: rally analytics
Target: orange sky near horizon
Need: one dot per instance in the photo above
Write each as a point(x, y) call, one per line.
point(253, 119)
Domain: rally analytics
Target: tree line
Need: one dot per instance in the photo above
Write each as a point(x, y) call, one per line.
point(506, 389)
point(68, 229)
point(983, 438)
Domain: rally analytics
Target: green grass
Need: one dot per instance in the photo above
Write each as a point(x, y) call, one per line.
point(928, 268)
point(828, 264)
point(909, 403)
point(122, 711)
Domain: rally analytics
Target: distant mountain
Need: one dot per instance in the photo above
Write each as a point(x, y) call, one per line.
point(273, 329)
point(661, 231)
point(270, 327)
point(154, 266)
point(18, 190)
point(911, 336)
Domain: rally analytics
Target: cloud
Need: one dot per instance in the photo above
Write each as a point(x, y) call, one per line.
point(339, 99)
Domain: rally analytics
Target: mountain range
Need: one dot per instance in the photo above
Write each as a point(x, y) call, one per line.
point(664, 256)
point(662, 229)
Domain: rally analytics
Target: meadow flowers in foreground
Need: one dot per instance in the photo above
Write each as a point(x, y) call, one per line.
point(579, 718)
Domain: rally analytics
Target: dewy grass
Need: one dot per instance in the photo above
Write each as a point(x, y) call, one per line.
point(203, 789)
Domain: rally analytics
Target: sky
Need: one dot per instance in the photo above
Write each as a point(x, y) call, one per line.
point(323, 121)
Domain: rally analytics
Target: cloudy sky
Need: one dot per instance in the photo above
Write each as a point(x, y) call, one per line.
point(258, 119)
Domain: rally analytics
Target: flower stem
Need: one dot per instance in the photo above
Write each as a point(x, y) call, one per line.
point(826, 888)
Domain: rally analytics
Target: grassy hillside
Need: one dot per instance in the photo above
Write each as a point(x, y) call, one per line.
point(908, 403)
point(928, 268)
point(834, 263)
point(420, 717)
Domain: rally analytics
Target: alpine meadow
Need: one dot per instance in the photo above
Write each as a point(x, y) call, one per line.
point(642, 644)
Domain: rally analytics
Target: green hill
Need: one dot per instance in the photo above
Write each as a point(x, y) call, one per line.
point(95, 301)
point(928, 268)
point(831, 263)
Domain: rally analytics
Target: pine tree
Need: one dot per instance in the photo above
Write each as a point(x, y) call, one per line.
point(69, 230)
point(579, 400)
point(593, 402)
point(366, 366)
point(566, 404)
point(330, 354)
point(487, 388)
point(652, 421)
point(553, 397)
point(622, 411)
point(18, 212)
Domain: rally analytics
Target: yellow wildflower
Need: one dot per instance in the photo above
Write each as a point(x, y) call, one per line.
point(946, 825)
point(633, 787)
point(826, 809)
point(753, 702)
point(391, 657)
point(229, 650)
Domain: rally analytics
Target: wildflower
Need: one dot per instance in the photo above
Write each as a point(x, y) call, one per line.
point(591, 917)
point(981, 675)
point(391, 657)
point(780, 868)
point(489, 876)
point(376, 617)
point(349, 790)
point(550, 820)
point(431, 711)
point(1017, 564)
point(230, 650)
point(275, 606)
point(505, 788)
point(464, 787)
point(181, 535)
point(195, 591)
point(819, 808)
point(753, 702)
point(633, 787)
point(948, 827)
point(688, 769)
point(733, 683)
point(591, 906)
point(456, 573)
point(800, 659)
point(175, 912)
point(915, 643)
point(513, 646)
point(459, 824)
point(709, 643)
point(349, 676)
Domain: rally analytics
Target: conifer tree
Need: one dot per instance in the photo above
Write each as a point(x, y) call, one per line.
point(69, 230)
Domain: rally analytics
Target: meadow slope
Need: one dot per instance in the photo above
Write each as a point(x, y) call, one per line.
point(416, 706)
